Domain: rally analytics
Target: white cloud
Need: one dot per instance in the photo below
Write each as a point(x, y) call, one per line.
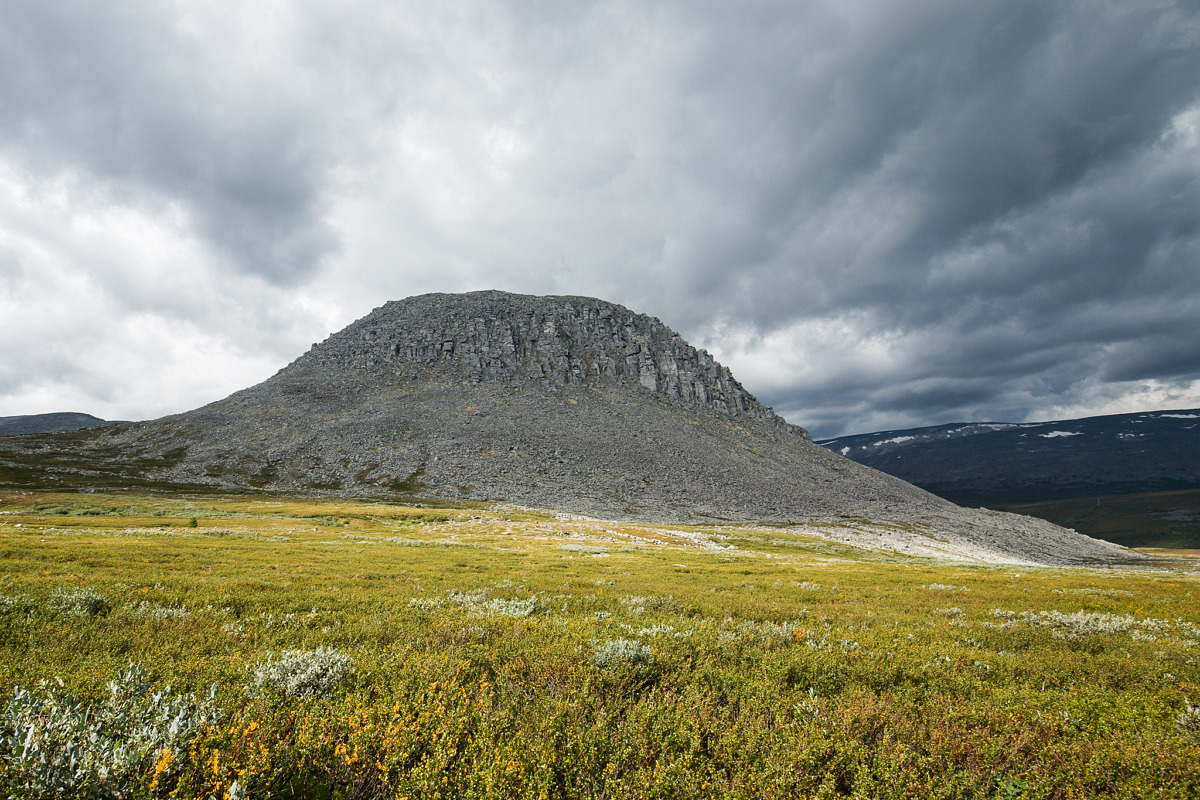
point(121, 314)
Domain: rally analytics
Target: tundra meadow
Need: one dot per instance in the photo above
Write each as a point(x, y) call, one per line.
point(159, 645)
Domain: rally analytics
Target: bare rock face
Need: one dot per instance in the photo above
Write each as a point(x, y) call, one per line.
point(551, 342)
point(568, 403)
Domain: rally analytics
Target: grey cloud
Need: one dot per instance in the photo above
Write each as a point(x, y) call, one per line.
point(119, 94)
point(1152, 356)
point(12, 274)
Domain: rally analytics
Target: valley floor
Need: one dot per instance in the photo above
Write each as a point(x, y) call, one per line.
point(156, 645)
point(1156, 521)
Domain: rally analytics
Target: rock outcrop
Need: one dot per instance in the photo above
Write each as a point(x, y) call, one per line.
point(546, 341)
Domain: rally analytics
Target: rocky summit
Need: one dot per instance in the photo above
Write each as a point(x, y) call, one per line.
point(569, 403)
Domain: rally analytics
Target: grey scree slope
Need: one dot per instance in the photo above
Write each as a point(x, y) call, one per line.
point(569, 403)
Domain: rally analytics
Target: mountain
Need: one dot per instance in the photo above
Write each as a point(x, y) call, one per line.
point(46, 423)
point(1131, 478)
point(569, 403)
point(1006, 463)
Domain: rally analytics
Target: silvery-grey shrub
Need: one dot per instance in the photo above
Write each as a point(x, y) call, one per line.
point(511, 608)
point(158, 613)
point(52, 745)
point(640, 605)
point(302, 674)
point(1081, 623)
point(16, 604)
point(478, 602)
point(1189, 720)
point(83, 601)
point(618, 652)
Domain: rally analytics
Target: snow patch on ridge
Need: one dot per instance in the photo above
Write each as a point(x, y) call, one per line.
point(897, 440)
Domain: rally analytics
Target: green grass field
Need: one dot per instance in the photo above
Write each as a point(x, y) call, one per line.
point(1157, 521)
point(366, 650)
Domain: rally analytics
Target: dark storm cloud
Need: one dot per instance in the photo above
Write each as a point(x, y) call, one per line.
point(1012, 196)
point(877, 213)
point(955, 129)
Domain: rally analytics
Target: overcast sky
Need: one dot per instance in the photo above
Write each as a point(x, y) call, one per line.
point(878, 213)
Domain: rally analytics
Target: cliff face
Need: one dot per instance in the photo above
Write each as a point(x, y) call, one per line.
point(486, 337)
point(561, 402)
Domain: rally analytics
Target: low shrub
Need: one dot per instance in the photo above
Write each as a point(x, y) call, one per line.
point(640, 605)
point(1189, 720)
point(83, 601)
point(303, 674)
point(16, 604)
point(621, 652)
point(52, 745)
point(479, 603)
point(158, 613)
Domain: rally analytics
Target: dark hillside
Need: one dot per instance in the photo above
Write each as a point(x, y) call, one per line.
point(1123, 477)
point(1006, 463)
point(46, 423)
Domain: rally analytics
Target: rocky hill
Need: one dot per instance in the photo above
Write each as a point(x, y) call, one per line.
point(998, 463)
point(46, 423)
point(569, 403)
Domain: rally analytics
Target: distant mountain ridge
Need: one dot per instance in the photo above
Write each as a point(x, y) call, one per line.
point(1004, 463)
point(46, 423)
